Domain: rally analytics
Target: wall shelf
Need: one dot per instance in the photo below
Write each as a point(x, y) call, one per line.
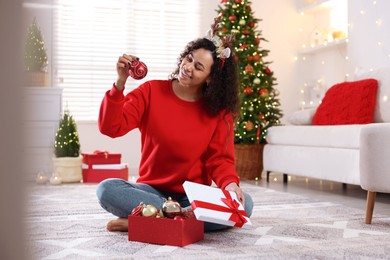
point(323, 47)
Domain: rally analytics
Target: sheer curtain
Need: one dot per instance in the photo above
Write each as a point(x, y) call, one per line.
point(90, 35)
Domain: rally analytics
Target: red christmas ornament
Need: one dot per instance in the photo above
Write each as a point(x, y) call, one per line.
point(243, 46)
point(232, 18)
point(238, 1)
point(263, 92)
point(187, 213)
point(224, 29)
point(258, 133)
point(267, 71)
point(249, 126)
point(251, 24)
point(137, 211)
point(138, 69)
point(249, 58)
point(235, 58)
point(257, 41)
point(261, 116)
point(224, 1)
point(257, 57)
point(248, 91)
point(249, 68)
point(246, 32)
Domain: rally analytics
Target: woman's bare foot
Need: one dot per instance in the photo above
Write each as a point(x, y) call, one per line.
point(119, 224)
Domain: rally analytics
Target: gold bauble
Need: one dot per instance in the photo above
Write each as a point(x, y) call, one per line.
point(149, 211)
point(171, 208)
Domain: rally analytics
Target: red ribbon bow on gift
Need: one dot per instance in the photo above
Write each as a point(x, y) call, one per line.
point(101, 152)
point(238, 216)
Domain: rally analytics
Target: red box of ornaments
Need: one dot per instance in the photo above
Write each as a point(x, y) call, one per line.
point(101, 165)
point(168, 226)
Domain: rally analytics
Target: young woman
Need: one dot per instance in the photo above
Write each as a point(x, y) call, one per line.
point(186, 126)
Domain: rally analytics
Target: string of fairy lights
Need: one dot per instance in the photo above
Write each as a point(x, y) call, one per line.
point(371, 13)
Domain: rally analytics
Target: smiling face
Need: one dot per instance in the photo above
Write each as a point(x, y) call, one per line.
point(195, 68)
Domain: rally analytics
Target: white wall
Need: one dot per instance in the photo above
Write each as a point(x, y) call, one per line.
point(369, 34)
point(279, 26)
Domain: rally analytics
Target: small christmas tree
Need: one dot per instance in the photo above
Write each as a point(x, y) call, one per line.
point(35, 54)
point(66, 143)
point(259, 102)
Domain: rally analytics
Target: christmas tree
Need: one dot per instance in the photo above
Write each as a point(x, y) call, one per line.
point(66, 143)
point(35, 54)
point(259, 102)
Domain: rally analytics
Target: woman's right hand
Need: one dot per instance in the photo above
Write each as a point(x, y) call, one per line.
point(122, 69)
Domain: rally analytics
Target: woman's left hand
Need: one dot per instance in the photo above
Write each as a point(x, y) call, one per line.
point(235, 188)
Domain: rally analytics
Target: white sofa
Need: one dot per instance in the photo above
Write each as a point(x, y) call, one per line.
point(356, 154)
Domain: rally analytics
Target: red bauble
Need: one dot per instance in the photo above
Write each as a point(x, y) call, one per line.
point(248, 91)
point(267, 71)
point(224, 29)
point(251, 24)
point(257, 41)
point(238, 1)
point(261, 116)
point(246, 32)
point(235, 58)
point(257, 57)
point(249, 68)
point(263, 92)
point(249, 58)
point(137, 211)
point(243, 46)
point(249, 126)
point(232, 18)
point(138, 69)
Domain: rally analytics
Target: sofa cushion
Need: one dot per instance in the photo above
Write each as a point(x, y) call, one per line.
point(348, 103)
point(341, 136)
point(302, 117)
point(382, 106)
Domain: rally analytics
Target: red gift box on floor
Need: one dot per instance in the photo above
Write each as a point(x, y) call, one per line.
point(100, 172)
point(165, 231)
point(101, 157)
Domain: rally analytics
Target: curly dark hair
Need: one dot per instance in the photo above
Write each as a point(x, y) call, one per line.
point(221, 93)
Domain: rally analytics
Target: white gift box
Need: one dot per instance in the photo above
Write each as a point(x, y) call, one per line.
point(214, 205)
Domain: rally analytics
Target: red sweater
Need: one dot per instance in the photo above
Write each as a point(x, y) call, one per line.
point(180, 141)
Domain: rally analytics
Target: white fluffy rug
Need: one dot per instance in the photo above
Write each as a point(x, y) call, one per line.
point(66, 222)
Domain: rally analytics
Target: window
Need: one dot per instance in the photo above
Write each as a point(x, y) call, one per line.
point(90, 35)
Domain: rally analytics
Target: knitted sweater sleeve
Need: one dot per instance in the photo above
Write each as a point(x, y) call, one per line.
point(120, 114)
point(220, 156)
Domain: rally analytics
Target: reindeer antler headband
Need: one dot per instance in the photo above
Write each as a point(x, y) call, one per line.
point(222, 44)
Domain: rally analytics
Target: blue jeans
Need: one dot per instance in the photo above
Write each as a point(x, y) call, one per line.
point(120, 197)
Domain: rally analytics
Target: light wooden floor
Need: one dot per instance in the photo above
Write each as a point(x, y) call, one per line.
point(353, 196)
